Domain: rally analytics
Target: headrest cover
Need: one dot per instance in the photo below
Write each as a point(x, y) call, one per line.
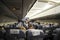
point(14, 31)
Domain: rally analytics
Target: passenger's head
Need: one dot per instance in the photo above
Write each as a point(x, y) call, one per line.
point(49, 24)
point(31, 26)
point(38, 23)
point(20, 21)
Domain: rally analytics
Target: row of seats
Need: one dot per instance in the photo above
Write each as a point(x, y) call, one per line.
point(53, 35)
point(15, 33)
point(33, 34)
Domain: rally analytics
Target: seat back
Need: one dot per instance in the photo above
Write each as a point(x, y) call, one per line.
point(14, 34)
point(57, 36)
point(34, 35)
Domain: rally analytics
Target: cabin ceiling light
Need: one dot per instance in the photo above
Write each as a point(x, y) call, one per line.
point(37, 8)
point(57, 1)
point(40, 6)
point(47, 13)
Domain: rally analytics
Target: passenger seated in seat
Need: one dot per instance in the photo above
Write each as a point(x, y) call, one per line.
point(22, 28)
point(31, 26)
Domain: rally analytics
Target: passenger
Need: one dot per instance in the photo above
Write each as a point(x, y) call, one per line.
point(39, 26)
point(20, 23)
point(23, 28)
point(35, 25)
point(31, 26)
point(26, 24)
point(0, 27)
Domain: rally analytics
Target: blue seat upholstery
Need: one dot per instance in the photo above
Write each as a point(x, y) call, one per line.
point(1, 34)
point(57, 36)
point(32, 36)
point(13, 35)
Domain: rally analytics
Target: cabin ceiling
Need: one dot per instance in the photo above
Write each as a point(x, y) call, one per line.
point(15, 9)
point(15, 6)
point(50, 17)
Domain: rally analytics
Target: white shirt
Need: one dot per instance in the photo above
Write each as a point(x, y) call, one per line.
point(20, 24)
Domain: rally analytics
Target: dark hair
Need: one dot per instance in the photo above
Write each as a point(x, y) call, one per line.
point(20, 21)
point(38, 23)
point(32, 20)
